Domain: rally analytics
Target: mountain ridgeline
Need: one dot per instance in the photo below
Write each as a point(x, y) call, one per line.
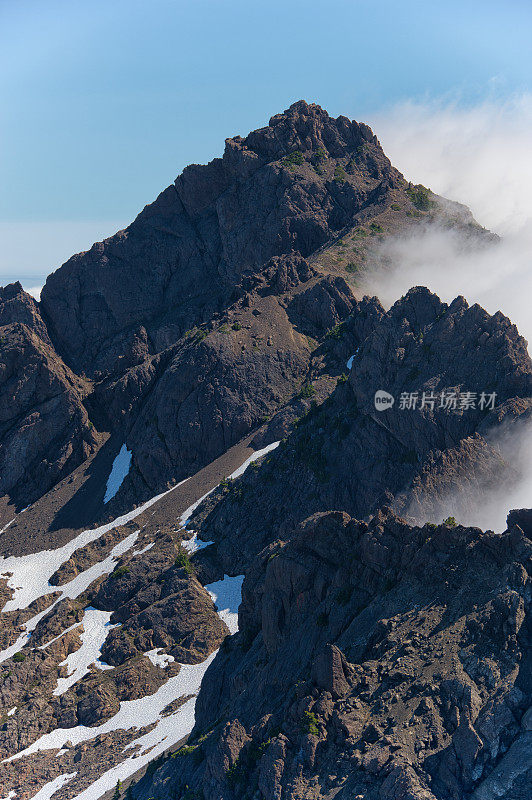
point(188, 328)
point(382, 649)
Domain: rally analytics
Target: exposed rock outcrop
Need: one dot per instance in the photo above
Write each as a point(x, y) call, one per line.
point(196, 323)
point(44, 428)
point(429, 461)
point(380, 661)
point(179, 261)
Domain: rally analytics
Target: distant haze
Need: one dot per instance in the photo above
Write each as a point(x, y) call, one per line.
point(29, 251)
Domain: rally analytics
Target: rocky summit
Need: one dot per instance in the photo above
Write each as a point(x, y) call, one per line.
point(226, 570)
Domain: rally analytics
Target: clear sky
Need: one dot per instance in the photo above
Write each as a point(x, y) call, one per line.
point(102, 103)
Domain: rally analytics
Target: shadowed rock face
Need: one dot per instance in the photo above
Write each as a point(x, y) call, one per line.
point(44, 427)
point(16, 305)
point(180, 259)
point(348, 455)
point(225, 380)
point(380, 661)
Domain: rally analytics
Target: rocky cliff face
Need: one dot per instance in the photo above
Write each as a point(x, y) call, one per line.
point(192, 326)
point(427, 461)
point(16, 305)
point(379, 661)
point(44, 428)
point(374, 658)
point(225, 379)
point(273, 192)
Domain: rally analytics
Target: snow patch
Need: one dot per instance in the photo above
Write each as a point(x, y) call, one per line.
point(144, 550)
point(169, 729)
point(31, 573)
point(350, 361)
point(59, 635)
point(184, 519)
point(227, 594)
point(11, 521)
point(194, 544)
point(119, 472)
point(159, 659)
point(46, 792)
point(72, 590)
point(29, 576)
point(145, 711)
point(77, 585)
point(30, 580)
point(96, 626)
point(258, 454)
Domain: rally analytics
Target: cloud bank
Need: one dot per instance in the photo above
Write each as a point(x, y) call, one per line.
point(482, 157)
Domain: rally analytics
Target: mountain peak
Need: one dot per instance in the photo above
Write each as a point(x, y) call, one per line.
point(307, 127)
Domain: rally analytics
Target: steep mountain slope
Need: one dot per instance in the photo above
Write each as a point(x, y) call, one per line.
point(225, 378)
point(138, 585)
point(104, 642)
point(379, 661)
point(45, 431)
point(291, 186)
point(427, 461)
point(198, 292)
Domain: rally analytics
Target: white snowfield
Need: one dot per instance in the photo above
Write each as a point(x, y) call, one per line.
point(29, 575)
point(132, 714)
point(30, 579)
point(72, 589)
point(168, 730)
point(254, 457)
point(119, 471)
point(96, 626)
point(227, 594)
point(46, 792)
point(159, 659)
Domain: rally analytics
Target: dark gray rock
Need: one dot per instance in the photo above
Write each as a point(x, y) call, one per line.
point(44, 428)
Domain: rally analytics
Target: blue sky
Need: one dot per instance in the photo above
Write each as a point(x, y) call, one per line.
point(103, 103)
